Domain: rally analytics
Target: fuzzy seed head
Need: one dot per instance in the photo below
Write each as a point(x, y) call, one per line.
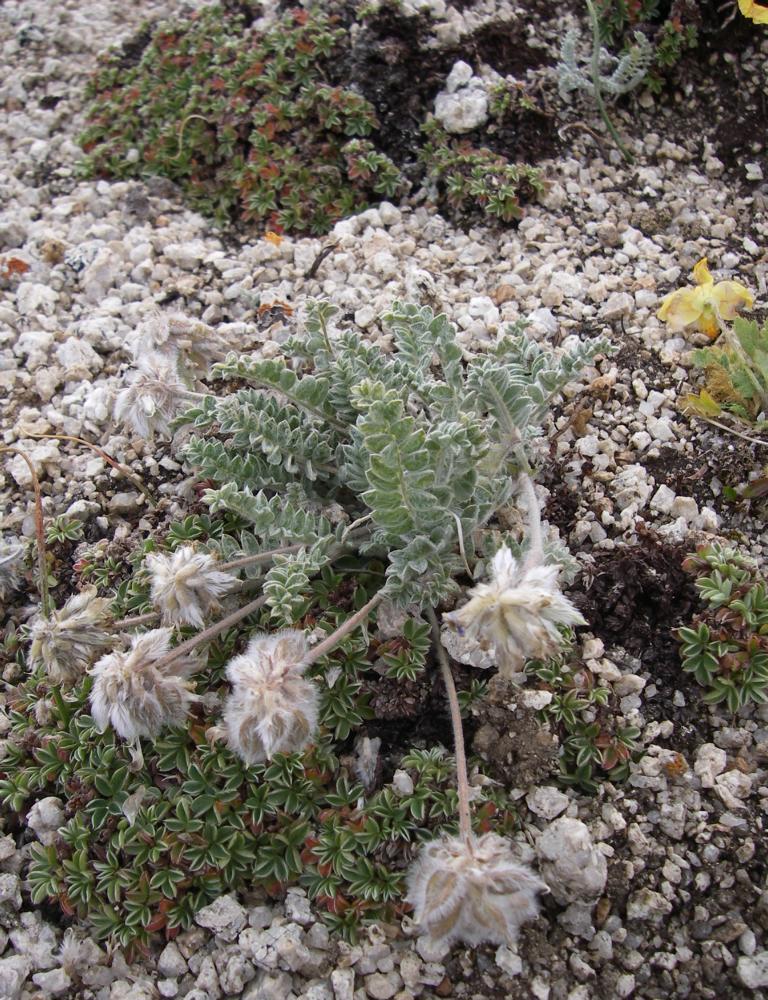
point(186, 586)
point(474, 892)
point(154, 397)
point(11, 566)
point(518, 612)
point(177, 335)
point(79, 953)
point(138, 698)
point(67, 641)
point(272, 708)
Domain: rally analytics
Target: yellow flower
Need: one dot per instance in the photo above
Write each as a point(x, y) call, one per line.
point(757, 10)
point(705, 305)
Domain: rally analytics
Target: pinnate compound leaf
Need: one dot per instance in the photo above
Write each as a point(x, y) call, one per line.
point(286, 585)
point(284, 434)
point(309, 393)
point(421, 573)
point(271, 517)
point(399, 473)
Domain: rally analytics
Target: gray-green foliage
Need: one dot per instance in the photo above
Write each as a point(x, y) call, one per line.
point(346, 468)
point(418, 445)
point(617, 74)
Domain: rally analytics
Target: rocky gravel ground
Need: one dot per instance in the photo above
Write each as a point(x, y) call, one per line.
point(662, 880)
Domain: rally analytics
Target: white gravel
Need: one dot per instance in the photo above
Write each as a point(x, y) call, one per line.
point(606, 242)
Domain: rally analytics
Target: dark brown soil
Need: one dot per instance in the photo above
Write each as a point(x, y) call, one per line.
point(510, 740)
point(391, 64)
point(729, 106)
point(633, 598)
point(708, 95)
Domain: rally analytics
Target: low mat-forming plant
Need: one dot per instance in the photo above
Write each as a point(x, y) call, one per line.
point(470, 178)
point(197, 741)
point(245, 121)
point(726, 646)
point(265, 125)
point(594, 744)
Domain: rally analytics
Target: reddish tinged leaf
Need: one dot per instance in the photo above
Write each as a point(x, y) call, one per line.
point(355, 172)
point(157, 922)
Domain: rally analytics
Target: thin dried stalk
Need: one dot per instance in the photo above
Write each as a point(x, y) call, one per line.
point(117, 466)
point(462, 777)
point(349, 625)
point(42, 562)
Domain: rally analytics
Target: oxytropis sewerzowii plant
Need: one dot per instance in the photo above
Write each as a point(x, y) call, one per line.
point(726, 646)
point(736, 365)
point(350, 494)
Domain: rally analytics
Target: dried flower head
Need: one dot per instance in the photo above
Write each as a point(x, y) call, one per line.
point(66, 642)
point(272, 708)
point(44, 711)
point(135, 696)
point(154, 397)
point(473, 892)
point(186, 586)
point(11, 566)
point(518, 612)
point(179, 336)
point(79, 953)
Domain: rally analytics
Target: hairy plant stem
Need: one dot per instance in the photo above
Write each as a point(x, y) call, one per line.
point(535, 554)
point(732, 430)
point(211, 632)
point(259, 558)
point(42, 565)
point(730, 337)
point(135, 620)
point(462, 777)
point(598, 90)
point(343, 630)
point(256, 559)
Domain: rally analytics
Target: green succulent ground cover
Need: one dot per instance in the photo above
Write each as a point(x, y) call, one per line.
point(145, 847)
point(260, 126)
point(245, 122)
point(726, 646)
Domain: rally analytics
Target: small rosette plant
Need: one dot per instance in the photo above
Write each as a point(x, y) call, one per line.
point(726, 646)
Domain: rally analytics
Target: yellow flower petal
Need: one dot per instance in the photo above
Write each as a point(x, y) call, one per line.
point(701, 273)
point(704, 305)
point(757, 12)
point(680, 309)
point(707, 323)
point(730, 297)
